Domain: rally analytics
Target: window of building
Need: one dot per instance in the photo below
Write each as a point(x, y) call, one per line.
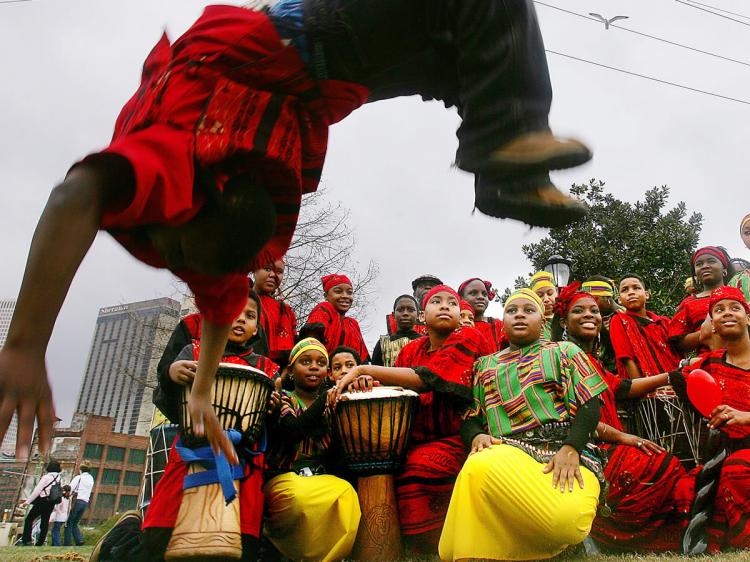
point(93, 451)
point(132, 478)
point(137, 456)
point(94, 472)
point(110, 476)
point(105, 501)
point(127, 502)
point(115, 453)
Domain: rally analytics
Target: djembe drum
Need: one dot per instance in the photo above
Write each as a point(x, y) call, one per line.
point(206, 526)
point(373, 429)
point(160, 441)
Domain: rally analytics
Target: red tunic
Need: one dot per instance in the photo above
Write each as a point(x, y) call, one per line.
point(494, 331)
point(641, 488)
point(643, 340)
point(165, 504)
point(436, 453)
point(339, 330)
point(231, 97)
point(279, 325)
point(690, 315)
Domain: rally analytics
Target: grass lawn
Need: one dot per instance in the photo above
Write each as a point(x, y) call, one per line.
point(29, 553)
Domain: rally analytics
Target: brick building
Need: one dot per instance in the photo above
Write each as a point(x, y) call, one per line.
point(116, 460)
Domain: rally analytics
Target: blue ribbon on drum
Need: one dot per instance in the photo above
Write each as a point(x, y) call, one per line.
point(217, 467)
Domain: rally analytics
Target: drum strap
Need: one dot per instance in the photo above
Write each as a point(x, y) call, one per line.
point(217, 467)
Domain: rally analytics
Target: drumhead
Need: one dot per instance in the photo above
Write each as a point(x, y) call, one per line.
point(380, 392)
point(244, 369)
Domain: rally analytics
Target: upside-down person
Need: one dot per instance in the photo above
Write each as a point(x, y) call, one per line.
point(340, 329)
point(729, 525)
point(229, 127)
point(405, 314)
point(543, 284)
point(741, 279)
point(640, 511)
point(478, 293)
point(125, 542)
point(530, 486)
point(438, 366)
point(278, 320)
point(311, 513)
point(690, 329)
point(639, 337)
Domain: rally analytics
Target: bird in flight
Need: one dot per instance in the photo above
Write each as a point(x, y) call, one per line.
point(607, 21)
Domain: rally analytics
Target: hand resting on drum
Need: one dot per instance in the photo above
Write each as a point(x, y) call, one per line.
point(374, 375)
point(183, 372)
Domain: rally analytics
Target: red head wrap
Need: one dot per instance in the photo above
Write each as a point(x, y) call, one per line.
point(727, 293)
point(466, 306)
point(567, 297)
point(439, 289)
point(713, 251)
point(487, 284)
point(330, 281)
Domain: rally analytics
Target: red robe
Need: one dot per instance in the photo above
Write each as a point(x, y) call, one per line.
point(230, 97)
point(339, 330)
point(165, 503)
point(641, 493)
point(690, 315)
point(436, 453)
point(729, 526)
point(279, 325)
point(643, 340)
point(494, 331)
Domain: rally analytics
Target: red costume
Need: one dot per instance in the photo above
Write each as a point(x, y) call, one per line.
point(165, 504)
point(392, 327)
point(279, 325)
point(643, 340)
point(494, 332)
point(227, 98)
point(339, 330)
point(641, 494)
point(690, 315)
point(436, 453)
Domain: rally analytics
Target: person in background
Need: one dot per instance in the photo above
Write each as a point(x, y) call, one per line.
point(278, 321)
point(80, 488)
point(478, 293)
point(741, 279)
point(41, 505)
point(405, 312)
point(543, 284)
point(603, 290)
point(420, 286)
point(60, 515)
point(343, 359)
point(467, 314)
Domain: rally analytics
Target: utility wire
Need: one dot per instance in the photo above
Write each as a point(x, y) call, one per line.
point(13, 1)
point(655, 38)
point(719, 9)
point(714, 13)
point(652, 78)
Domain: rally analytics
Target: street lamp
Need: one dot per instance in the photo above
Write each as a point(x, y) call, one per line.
point(559, 267)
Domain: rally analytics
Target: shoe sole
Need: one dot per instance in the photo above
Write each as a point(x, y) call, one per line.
point(531, 166)
point(548, 216)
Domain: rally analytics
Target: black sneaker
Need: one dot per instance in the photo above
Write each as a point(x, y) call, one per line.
point(125, 530)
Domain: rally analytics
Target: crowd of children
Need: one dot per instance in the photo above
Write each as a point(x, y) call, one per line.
point(519, 447)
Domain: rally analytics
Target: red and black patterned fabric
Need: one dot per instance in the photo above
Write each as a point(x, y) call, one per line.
point(691, 313)
point(493, 331)
point(231, 98)
point(643, 340)
point(339, 330)
point(279, 326)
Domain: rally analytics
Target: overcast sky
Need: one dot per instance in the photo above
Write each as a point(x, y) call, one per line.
point(67, 66)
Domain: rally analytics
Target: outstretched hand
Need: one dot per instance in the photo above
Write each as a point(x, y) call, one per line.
point(206, 424)
point(565, 467)
point(24, 388)
point(726, 415)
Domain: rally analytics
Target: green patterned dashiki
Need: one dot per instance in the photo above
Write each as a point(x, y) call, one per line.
point(742, 282)
point(516, 390)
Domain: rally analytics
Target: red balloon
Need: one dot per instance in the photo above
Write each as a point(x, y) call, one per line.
point(703, 390)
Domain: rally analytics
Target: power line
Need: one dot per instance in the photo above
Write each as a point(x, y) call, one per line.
point(13, 1)
point(655, 38)
point(719, 9)
point(652, 78)
point(714, 13)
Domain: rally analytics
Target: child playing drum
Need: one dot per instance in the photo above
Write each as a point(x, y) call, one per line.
point(118, 545)
point(438, 366)
point(229, 128)
point(311, 514)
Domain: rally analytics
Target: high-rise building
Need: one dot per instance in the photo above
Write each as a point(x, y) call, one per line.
point(121, 371)
point(8, 446)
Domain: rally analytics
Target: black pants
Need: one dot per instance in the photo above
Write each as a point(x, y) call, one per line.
point(485, 57)
point(43, 509)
